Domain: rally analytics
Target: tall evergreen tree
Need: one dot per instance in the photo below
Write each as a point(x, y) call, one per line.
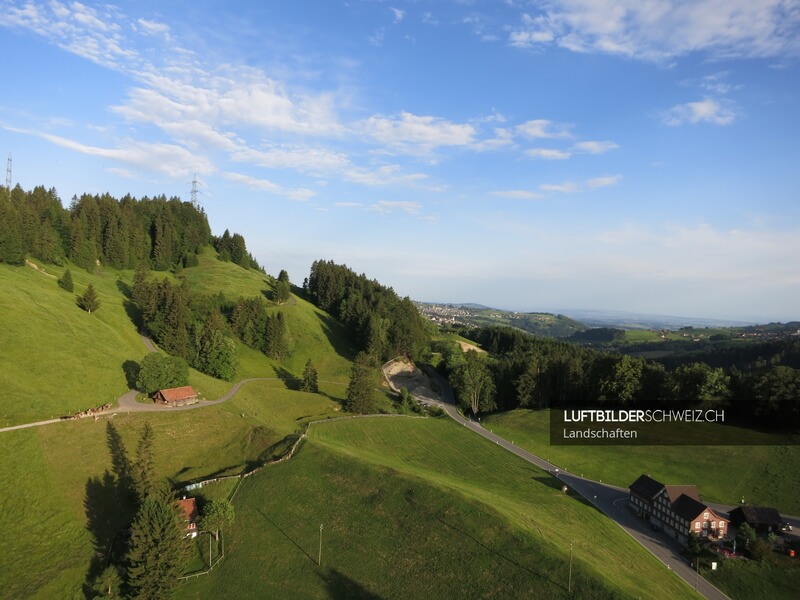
point(143, 473)
point(65, 281)
point(11, 246)
point(89, 301)
point(359, 391)
point(310, 383)
point(158, 550)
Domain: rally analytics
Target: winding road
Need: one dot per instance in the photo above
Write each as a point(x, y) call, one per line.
point(609, 499)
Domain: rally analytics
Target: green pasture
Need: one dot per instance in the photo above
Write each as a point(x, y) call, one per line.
point(761, 474)
point(387, 533)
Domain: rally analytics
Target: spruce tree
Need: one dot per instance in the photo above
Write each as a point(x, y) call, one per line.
point(359, 392)
point(143, 473)
point(310, 378)
point(158, 550)
point(65, 281)
point(11, 246)
point(89, 301)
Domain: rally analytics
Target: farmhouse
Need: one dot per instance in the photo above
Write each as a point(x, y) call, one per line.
point(188, 508)
point(676, 509)
point(761, 518)
point(180, 396)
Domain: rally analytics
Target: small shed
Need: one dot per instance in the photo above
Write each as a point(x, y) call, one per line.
point(762, 519)
point(180, 396)
point(188, 508)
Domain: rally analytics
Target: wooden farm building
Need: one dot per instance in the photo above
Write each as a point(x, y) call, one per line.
point(761, 518)
point(676, 509)
point(179, 396)
point(188, 508)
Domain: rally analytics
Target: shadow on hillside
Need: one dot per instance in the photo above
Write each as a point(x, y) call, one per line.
point(342, 587)
point(336, 335)
point(131, 309)
point(291, 381)
point(131, 369)
point(109, 509)
point(286, 535)
point(549, 481)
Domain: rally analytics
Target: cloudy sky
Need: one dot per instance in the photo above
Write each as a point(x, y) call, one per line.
point(638, 155)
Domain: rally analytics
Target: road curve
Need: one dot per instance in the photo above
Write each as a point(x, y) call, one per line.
point(610, 500)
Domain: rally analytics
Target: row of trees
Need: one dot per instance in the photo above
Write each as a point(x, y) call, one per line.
point(380, 322)
point(101, 229)
point(526, 371)
point(165, 233)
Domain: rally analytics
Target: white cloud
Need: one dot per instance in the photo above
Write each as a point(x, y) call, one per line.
point(542, 129)
point(548, 153)
point(311, 160)
point(661, 29)
point(266, 185)
point(707, 110)
point(165, 159)
point(517, 194)
point(154, 28)
point(594, 147)
point(413, 133)
point(398, 14)
point(387, 206)
point(376, 39)
point(385, 175)
point(563, 188)
point(603, 181)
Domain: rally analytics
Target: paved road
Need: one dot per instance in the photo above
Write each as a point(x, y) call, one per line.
point(610, 500)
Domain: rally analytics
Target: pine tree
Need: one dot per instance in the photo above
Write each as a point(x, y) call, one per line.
point(310, 378)
point(158, 550)
point(89, 301)
point(66, 281)
point(11, 247)
point(143, 473)
point(359, 392)
point(283, 292)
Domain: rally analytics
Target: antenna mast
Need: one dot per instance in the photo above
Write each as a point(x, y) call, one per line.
point(8, 176)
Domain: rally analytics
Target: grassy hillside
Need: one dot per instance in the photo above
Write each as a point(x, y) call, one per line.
point(55, 500)
point(764, 475)
point(57, 358)
point(441, 453)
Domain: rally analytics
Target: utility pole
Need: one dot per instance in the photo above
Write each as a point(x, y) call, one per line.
point(569, 583)
point(319, 559)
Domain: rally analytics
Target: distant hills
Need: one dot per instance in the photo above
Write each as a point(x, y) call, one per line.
point(539, 323)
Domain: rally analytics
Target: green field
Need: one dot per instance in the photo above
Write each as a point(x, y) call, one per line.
point(421, 508)
point(762, 475)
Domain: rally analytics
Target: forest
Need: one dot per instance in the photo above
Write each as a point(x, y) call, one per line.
point(380, 322)
point(759, 387)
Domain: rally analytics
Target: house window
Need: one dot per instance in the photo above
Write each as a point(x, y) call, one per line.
point(705, 524)
point(705, 515)
point(713, 524)
point(722, 524)
point(697, 525)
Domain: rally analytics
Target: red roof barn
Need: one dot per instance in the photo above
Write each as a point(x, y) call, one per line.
point(179, 396)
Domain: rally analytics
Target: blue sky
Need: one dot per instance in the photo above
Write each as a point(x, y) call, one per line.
point(531, 155)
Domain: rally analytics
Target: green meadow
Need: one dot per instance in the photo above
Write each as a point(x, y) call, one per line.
point(420, 508)
point(761, 474)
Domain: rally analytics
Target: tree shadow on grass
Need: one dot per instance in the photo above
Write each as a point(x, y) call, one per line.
point(341, 587)
point(109, 508)
point(291, 381)
point(131, 370)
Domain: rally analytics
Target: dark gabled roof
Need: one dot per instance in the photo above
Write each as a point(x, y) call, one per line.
point(757, 515)
point(646, 487)
point(688, 508)
point(676, 491)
